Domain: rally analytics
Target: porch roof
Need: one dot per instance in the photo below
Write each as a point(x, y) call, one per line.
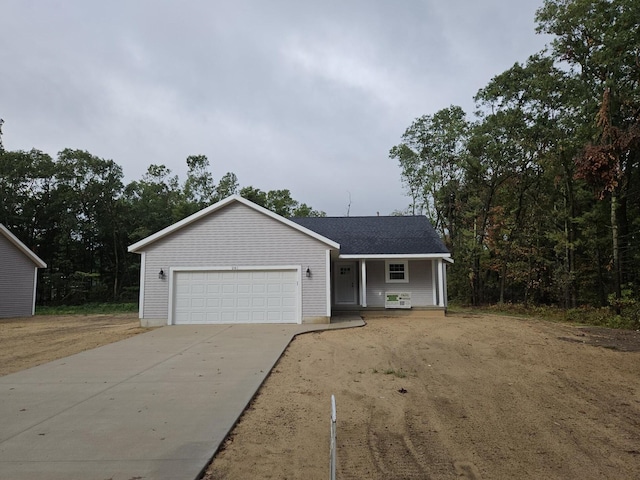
point(411, 235)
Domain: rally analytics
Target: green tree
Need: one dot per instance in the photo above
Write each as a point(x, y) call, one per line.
point(431, 156)
point(254, 195)
point(600, 40)
point(227, 186)
point(156, 201)
point(89, 231)
point(199, 188)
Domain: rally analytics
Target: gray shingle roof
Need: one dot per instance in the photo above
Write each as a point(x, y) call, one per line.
point(377, 235)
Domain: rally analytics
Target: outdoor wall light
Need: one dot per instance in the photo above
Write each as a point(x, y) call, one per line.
point(161, 275)
point(308, 272)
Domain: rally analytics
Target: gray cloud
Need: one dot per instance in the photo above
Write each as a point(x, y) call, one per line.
point(308, 96)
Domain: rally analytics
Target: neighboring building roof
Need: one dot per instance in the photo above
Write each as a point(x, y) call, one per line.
point(139, 246)
point(373, 236)
point(4, 231)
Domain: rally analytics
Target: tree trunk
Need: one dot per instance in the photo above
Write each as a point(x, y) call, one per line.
point(617, 277)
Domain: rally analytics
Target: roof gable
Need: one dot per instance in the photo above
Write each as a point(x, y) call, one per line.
point(394, 235)
point(140, 246)
point(4, 231)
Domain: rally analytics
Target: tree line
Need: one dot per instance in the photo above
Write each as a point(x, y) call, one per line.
point(538, 193)
point(77, 214)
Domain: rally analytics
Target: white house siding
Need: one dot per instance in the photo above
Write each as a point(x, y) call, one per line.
point(239, 236)
point(17, 277)
point(420, 283)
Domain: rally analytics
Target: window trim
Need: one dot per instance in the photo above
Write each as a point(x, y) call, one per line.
point(387, 273)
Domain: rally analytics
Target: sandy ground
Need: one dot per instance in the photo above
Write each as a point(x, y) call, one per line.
point(466, 397)
point(31, 341)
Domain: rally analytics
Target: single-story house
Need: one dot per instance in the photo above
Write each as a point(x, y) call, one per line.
point(18, 276)
point(237, 262)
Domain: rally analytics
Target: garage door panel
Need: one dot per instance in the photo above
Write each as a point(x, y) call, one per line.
point(198, 302)
point(228, 302)
point(258, 302)
point(213, 303)
point(227, 316)
point(274, 302)
point(244, 296)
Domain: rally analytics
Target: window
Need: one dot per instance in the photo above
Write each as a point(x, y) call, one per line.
point(397, 271)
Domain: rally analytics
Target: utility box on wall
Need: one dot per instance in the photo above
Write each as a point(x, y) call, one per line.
point(397, 300)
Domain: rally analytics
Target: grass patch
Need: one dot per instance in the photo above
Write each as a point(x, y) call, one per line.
point(87, 309)
point(396, 373)
point(597, 316)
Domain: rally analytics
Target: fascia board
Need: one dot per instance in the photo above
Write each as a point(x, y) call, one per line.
point(378, 256)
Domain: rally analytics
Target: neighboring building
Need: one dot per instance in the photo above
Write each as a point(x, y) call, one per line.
point(18, 276)
point(237, 262)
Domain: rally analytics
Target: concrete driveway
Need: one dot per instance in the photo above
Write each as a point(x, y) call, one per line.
point(154, 406)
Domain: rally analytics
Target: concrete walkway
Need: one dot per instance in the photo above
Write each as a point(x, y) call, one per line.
point(154, 406)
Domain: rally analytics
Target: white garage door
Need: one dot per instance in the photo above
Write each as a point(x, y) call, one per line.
point(235, 296)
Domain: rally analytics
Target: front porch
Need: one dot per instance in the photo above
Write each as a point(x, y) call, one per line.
point(377, 312)
point(368, 283)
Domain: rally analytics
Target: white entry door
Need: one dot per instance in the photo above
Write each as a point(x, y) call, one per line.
point(235, 296)
point(345, 282)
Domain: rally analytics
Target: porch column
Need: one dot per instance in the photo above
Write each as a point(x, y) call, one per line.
point(434, 279)
point(444, 282)
point(441, 274)
point(363, 282)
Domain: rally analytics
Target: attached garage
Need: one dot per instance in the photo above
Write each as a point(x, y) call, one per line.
point(234, 262)
point(239, 295)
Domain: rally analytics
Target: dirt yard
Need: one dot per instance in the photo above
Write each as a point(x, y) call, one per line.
point(27, 342)
point(467, 397)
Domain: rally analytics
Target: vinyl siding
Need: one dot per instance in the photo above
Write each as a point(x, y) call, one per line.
point(235, 236)
point(420, 283)
point(17, 276)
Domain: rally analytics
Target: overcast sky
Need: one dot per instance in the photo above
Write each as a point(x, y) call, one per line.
point(303, 95)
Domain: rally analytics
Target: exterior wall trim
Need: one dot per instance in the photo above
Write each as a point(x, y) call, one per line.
point(143, 269)
point(297, 268)
point(35, 287)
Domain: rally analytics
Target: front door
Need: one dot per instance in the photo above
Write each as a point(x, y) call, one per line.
point(345, 283)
